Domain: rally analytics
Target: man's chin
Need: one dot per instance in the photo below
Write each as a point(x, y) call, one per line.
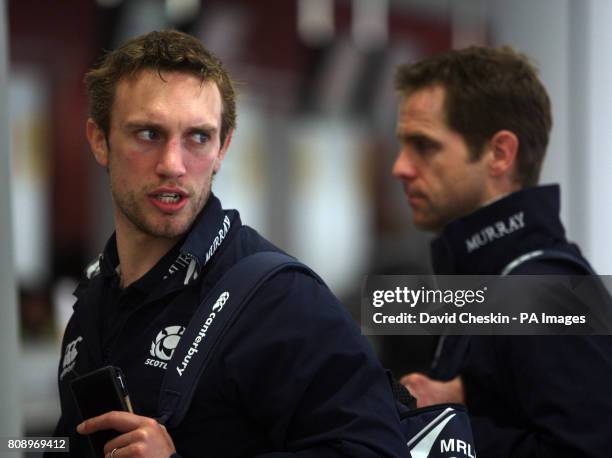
point(174, 225)
point(168, 229)
point(170, 232)
point(427, 224)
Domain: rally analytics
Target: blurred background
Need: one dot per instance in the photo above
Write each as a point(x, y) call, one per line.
point(310, 163)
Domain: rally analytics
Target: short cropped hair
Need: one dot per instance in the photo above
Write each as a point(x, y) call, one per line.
point(160, 51)
point(488, 90)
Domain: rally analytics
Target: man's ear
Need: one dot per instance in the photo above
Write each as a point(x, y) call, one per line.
point(223, 150)
point(97, 143)
point(504, 147)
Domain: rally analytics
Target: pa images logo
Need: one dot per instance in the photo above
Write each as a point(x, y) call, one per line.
point(163, 346)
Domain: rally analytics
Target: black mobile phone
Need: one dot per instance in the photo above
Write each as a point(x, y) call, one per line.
point(98, 392)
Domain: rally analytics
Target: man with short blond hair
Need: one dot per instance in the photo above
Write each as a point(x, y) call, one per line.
point(292, 377)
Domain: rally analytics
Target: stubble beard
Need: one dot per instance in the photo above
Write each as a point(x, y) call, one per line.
point(437, 217)
point(426, 216)
point(132, 205)
point(428, 223)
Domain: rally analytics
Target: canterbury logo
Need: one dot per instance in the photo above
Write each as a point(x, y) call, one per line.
point(70, 354)
point(193, 349)
point(220, 302)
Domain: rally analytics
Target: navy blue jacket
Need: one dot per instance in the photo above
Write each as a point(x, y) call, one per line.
point(293, 375)
point(528, 396)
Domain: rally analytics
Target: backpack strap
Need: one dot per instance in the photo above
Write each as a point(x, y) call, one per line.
point(210, 323)
point(549, 255)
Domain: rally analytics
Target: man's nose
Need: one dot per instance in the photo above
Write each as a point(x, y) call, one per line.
point(404, 167)
point(171, 160)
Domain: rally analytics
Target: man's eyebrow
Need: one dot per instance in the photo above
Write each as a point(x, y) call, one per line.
point(136, 125)
point(419, 141)
point(412, 137)
point(205, 127)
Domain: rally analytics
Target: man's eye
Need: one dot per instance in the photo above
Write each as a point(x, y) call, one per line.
point(147, 134)
point(423, 145)
point(200, 137)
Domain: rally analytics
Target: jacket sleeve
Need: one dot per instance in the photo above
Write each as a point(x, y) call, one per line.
point(304, 370)
point(561, 388)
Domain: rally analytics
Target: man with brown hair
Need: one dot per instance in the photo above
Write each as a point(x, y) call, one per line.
point(292, 376)
point(473, 128)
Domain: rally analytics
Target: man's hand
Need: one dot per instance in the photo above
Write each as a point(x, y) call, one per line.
point(142, 436)
point(429, 392)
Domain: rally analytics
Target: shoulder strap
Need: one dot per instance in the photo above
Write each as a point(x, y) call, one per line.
point(548, 255)
point(211, 321)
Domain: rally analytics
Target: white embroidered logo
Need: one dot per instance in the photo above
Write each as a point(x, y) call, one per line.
point(495, 231)
point(162, 348)
point(70, 354)
point(192, 273)
point(193, 349)
point(218, 239)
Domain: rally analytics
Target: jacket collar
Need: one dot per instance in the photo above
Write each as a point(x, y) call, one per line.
point(488, 239)
point(210, 230)
point(183, 263)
